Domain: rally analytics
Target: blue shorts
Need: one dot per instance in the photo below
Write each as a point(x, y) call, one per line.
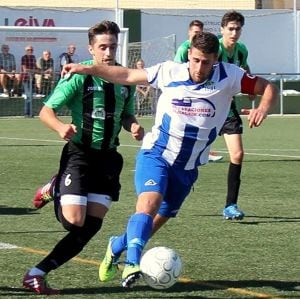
point(154, 174)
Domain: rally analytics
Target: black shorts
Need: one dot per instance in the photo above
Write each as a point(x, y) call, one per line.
point(232, 125)
point(85, 170)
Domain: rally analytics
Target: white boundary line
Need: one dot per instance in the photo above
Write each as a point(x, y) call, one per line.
point(32, 139)
point(239, 291)
point(7, 246)
point(137, 146)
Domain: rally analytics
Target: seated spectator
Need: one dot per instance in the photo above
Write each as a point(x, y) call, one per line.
point(44, 79)
point(9, 80)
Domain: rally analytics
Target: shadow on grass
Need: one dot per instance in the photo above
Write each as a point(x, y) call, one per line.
point(256, 219)
point(269, 219)
point(291, 159)
point(5, 210)
point(32, 232)
point(253, 286)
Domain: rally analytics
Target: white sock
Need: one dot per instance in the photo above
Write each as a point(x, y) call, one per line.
point(36, 271)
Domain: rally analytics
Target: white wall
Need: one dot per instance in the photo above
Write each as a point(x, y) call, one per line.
point(268, 34)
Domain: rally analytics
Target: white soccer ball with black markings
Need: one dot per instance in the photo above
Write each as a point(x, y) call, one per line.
point(161, 267)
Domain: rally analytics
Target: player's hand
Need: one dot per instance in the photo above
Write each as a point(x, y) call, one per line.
point(72, 68)
point(245, 111)
point(255, 116)
point(67, 131)
point(137, 131)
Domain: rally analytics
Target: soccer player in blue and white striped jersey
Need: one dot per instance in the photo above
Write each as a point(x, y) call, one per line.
point(191, 110)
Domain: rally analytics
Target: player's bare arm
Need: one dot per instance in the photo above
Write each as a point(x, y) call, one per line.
point(269, 93)
point(49, 118)
point(114, 74)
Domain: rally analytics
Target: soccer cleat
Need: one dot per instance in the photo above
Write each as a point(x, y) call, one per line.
point(39, 285)
point(213, 157)
point(4, 95)
point(108, 267)
point(232, 212)
point(130, 275)
point(45, 194)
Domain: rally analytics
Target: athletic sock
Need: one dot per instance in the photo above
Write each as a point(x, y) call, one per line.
point(70, 245)
point(233, 183)
point(118, 245)
point(36, 271)
point(139, 230)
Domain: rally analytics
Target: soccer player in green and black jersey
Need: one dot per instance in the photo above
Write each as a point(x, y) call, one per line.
point(88, 178)
point(195, 27)
point(233, 51)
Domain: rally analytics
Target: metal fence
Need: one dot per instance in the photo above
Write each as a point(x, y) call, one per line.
point(26, 101)
point(289, 90)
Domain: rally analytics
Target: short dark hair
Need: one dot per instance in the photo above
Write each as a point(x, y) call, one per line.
point(231, 16)
point(207, 42)
point(103, 28)
point(196, 23)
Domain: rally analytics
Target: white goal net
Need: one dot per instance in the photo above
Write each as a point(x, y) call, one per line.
point(151, 52)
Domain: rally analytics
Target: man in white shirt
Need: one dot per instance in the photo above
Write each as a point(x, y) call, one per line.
point(191, 110)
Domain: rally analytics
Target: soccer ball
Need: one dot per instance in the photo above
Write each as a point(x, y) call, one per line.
point(161, 267)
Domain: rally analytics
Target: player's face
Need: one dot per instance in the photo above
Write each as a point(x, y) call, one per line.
point(193, 31)
point(201, 64)
point(140, 65)
point(46, 55)
point(231, 32)
point(71, 49)
point(104, 49)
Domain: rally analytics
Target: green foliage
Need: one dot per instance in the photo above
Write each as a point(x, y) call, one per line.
point(254, 258)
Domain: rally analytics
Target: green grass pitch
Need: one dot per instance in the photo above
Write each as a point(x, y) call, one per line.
point(254, 258)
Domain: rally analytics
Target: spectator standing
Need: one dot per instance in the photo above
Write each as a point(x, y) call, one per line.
point(44, 80)
point(9, 79)
point(68, 57)
point(142, 92)
point(28, 69)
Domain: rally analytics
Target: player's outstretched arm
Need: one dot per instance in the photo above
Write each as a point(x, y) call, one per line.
point(114, 74)
point(269, 93)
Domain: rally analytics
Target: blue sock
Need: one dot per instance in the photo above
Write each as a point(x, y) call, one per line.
point(119, 244)
point(139, 230)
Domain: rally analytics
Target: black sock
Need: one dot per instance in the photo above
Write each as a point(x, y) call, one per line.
point(233, 183)
point(70, 245)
